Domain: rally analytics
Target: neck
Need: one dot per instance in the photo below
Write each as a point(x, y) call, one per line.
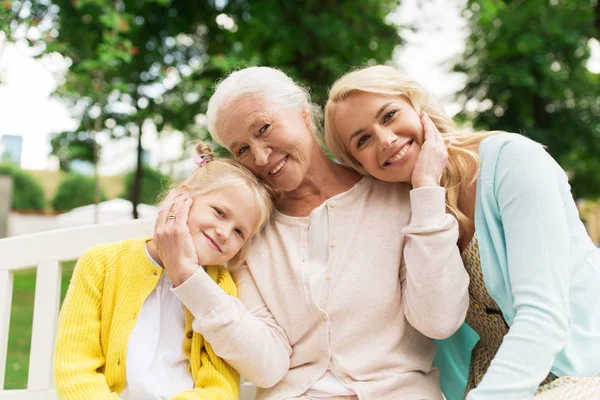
point(153, 252)
point(324, 179)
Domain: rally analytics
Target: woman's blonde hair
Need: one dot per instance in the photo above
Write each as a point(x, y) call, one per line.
point(218, 173)
point(388, 81)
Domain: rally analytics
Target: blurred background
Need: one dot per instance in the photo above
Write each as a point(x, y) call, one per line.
point(100, 100)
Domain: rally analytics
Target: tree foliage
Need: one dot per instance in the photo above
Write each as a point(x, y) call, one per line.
point(525, 63)
point(153, 185)
point(156, 61)
point(74, 190)
point(27, 192)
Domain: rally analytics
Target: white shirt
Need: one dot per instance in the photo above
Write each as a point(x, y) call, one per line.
point(318, 254)
point(157, 367)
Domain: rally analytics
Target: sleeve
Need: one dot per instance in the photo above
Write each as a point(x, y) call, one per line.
point(78, 354)
point(216, 380)
point(529, 189)
point(241, 331)
point(435, 284)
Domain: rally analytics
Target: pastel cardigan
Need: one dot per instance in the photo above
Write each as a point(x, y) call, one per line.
point(540, 267)
point(109, 286)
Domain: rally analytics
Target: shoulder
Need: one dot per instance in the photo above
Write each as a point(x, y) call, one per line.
point(380, 192)
point(109, 254)
point(509, 147)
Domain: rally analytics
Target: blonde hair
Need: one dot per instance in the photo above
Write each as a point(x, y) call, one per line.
point(385, 80)
point(219, 173)
point(271, 84)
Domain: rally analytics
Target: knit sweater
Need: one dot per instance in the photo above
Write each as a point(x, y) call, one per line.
point(394, 279)
point(108, 288)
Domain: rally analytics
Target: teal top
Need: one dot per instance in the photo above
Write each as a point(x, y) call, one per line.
point(540, 267)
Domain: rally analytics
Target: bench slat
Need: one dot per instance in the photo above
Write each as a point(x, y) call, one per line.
point(27, 251)
point(6, 287)
point(45, 316)
point(28, 395)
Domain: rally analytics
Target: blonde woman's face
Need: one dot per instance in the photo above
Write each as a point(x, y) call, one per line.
point(383, 133)
point(220, 222)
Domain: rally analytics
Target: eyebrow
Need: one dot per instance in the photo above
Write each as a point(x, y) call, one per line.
point(361, 130)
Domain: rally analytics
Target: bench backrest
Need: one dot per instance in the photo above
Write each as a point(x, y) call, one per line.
point(44, 251)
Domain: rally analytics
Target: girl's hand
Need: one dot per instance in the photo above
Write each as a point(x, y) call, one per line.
point(173, 239)
point(431, 161)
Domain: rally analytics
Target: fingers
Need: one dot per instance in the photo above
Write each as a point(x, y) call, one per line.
point(165, 207)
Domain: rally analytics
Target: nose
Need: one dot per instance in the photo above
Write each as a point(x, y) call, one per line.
point(223, 232)
point(261, 155)
point(386, 138)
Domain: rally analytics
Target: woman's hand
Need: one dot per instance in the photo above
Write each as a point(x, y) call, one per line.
point(173, 239)
point(431, 161)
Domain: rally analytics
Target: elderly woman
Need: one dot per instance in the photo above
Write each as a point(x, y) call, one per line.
point(343, 292)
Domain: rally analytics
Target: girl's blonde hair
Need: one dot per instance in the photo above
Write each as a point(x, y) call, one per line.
point(219, 173)
point(385, 80)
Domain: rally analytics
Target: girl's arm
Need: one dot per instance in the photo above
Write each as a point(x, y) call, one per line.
point(435, 284)
point(244, 333)
point(529, 189)
point(78, 355)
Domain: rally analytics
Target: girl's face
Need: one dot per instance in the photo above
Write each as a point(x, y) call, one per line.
point(383, 133)
point(221, 222)
point(272, 141)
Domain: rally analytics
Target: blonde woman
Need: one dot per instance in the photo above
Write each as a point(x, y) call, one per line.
point(534, 313)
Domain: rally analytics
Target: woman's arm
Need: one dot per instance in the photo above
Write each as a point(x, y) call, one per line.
point(435, 284)
point(244, 333)
point(529, 188)
point(78, 355)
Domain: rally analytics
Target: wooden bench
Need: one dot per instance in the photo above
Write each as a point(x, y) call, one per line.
point(45, 251)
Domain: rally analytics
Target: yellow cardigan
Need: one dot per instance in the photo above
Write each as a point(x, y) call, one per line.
point(108, 288)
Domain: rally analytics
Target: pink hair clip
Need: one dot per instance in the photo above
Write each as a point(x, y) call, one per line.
point(202, 159)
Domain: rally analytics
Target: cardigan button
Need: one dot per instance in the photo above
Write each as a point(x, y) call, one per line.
point(190, 334)
point(155, 273)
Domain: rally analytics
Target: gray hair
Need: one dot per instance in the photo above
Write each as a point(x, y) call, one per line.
point(273, 84)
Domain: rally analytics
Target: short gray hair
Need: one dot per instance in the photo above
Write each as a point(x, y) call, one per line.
point(273, 84)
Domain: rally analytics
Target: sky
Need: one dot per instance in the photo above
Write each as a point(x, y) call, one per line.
point(28, 110)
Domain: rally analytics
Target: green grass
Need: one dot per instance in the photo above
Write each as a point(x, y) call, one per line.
point(21, 318)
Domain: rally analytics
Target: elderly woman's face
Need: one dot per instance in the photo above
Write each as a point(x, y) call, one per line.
point(273, 142)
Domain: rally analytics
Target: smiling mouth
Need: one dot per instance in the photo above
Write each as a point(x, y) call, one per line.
point(280, 165)
point(399, 155)
point(212, 242)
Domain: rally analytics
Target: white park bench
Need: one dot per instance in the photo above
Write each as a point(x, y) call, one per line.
point(44, 251)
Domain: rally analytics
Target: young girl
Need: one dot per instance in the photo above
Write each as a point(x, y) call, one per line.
point(122, 333)
point(534, 272)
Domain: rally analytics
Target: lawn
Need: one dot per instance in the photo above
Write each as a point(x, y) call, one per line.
point(21, 317)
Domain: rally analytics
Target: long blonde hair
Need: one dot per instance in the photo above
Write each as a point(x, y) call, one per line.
point(385, 80)
point(219, 173)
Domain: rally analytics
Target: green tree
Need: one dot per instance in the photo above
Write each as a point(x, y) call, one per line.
point(27, 193)
point(155, 62)
point(75, 190)
point(153, 185)
point(526, 72)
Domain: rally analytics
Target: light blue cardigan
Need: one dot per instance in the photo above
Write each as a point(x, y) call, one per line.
point(540, 267)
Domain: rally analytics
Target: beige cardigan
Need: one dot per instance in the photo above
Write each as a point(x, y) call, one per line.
point(393, 282)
